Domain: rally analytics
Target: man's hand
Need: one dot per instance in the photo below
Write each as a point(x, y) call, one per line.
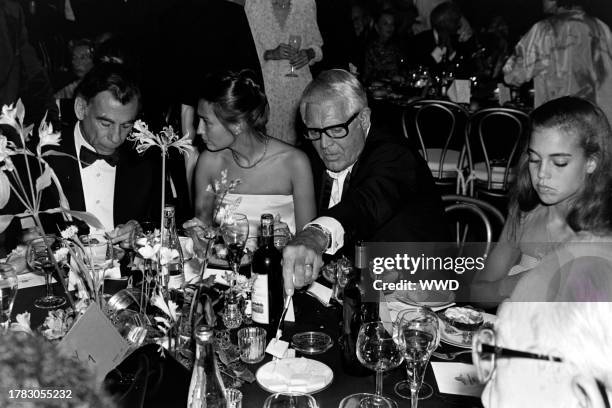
point(282, 52)
point(125, 234)
point(301, 58)
point(302, 259)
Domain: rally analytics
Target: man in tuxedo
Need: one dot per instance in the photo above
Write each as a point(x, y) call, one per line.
point(376, 188)
point(108, 179)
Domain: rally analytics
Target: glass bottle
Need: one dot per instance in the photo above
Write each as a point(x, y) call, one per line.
point(355, 312)
point(172, 271)
point(267, 296)
point(206, 389)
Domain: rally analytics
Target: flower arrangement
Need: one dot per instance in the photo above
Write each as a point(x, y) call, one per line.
point(164, 140)
point(26, 189)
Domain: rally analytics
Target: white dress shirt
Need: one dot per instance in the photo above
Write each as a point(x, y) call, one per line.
point(98, 181)
point(331, 224)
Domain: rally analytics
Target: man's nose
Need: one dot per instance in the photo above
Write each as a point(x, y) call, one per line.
point(326, 141)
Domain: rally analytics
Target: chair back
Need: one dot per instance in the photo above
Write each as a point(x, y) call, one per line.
point(493, 140)
point(437, 128)
point(472, 220)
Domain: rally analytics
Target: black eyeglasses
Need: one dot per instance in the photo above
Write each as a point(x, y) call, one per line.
point(335, 131)
point(486, 352)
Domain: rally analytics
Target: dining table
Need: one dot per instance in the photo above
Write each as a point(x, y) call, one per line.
point(169, 387)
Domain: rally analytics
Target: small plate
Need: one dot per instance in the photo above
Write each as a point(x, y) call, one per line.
point(460, 338)
point(404, 297)
point(294, 375)
point(311, 342)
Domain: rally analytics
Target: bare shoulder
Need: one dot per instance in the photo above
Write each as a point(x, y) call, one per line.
point(210, 163)
point(291, 156)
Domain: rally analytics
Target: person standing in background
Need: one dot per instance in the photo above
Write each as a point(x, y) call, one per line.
point(568, 53)
point(273, 23)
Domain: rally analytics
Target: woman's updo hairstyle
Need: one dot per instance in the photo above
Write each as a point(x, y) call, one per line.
point(236, 97)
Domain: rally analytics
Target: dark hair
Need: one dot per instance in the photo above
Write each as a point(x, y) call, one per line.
point(235, 97)
point(573, 3)
point(115, 78)
point(591, 208)
point(446, 17)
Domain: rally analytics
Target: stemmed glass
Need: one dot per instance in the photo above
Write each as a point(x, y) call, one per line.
point(8, 291)
point(235, 231)
point(290, 400)
point(38, 259)
point(295, 42)
point(378, 351)
point(418, 334)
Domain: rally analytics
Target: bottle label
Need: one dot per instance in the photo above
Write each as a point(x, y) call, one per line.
point(259, 300)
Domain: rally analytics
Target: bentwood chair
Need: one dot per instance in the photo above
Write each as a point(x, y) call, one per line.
point(472, 221)
point(438, 128)
point(492, 145)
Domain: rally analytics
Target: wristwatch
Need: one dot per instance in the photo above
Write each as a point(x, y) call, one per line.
point(328, 235)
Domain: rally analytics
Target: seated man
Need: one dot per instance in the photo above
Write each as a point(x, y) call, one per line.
point(109, 179)
point(376, 189)
point(564, 361)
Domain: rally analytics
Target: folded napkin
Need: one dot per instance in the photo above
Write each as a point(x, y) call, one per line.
point(295, 375)
point(457, 378)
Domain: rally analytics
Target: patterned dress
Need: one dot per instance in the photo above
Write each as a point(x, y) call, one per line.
point(283, 92)
point(566, 54)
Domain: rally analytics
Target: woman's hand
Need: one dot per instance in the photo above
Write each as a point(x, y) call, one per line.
point(301, 58)
point(282, 52)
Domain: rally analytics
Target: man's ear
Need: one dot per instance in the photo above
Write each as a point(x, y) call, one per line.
point(587, 393)
point(364, 119)
point(80, 107)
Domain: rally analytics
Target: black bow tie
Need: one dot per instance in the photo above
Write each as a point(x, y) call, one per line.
point(89, 157)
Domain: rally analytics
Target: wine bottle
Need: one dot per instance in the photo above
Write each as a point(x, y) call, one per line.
point(356, 312)
point(173, 269)
point(206, 388)
point(267, 296)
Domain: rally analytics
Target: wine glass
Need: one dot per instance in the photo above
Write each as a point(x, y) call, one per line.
point(376, 350)
point(295, 42)
point(290, 400)
point(418, 334)
point(235, 231)
point(38, 258)
point(232, 315)
point(8, 291)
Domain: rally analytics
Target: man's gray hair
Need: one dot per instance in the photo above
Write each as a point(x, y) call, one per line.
point(335, 84)
point(578, 332)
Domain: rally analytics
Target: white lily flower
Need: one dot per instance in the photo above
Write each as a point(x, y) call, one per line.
point(148, 251)
point(167, 255)
point(22, 323)
point(47, 136)
point(70, 232)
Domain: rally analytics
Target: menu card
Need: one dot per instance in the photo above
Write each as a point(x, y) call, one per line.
point(457, 378)
point(94, 341)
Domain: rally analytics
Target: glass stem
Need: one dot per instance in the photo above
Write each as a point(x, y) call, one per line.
point(379, 383)
point(414, 398)
point(48, 284)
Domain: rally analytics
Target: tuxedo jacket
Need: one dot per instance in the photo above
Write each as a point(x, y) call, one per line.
point(390, 195)
point(137, 181)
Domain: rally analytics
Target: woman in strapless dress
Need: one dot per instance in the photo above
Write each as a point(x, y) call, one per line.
point(274, 177)
point(561, 197)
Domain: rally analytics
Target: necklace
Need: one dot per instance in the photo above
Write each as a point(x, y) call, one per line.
point(236, 158)
point(281, 3)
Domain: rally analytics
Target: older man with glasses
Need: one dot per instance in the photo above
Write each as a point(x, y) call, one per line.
point(373, 187)
point(547, 355)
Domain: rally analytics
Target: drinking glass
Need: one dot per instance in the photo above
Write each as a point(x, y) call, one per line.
point(252, 344)
point(37, 257)
point(418, 334)
point(376, 350)
point(8, 291)
point(232, 315)
point(290, 400)
point(295, 42)
point(233, 397)
point(235, 231)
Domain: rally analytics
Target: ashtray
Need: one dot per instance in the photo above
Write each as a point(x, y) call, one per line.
point(311, 342)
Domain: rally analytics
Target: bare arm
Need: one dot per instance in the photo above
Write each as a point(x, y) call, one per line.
point(206, 169)
point(303, 190)
point(492, 284)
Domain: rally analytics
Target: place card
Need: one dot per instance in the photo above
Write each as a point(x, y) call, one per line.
point(460, 91)
point(277, 348)
point(94, 341)
point(322, 293)
point(457, 379)
point(504, 94)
